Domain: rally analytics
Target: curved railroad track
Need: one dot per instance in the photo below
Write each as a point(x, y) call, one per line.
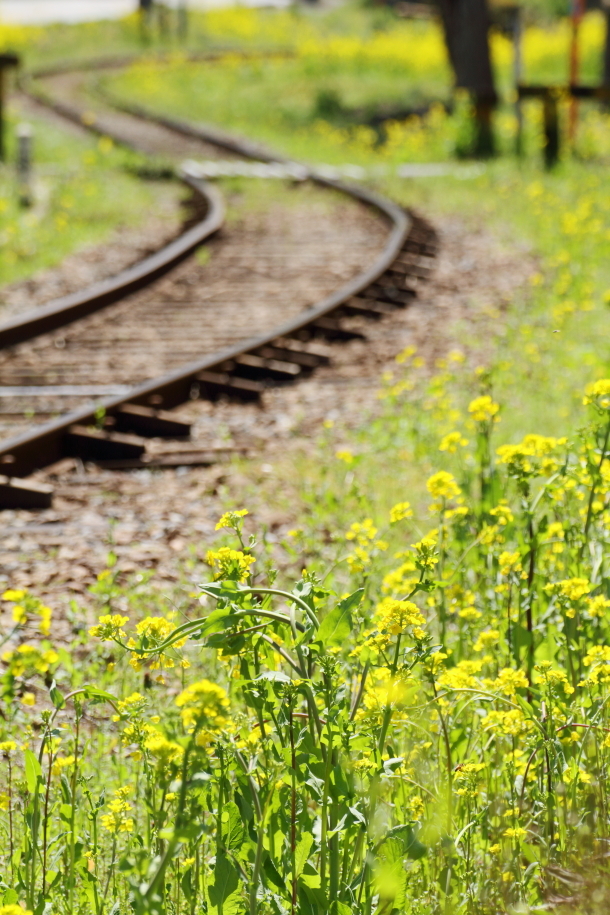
point(81, 342)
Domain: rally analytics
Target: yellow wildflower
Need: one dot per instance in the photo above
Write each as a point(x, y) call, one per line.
point(484, 410)
point(598, 393)
point(232, 519)
point(109, 627)
point(228, 563)
point(442, 485)
point(509, 681)
point(204, 705)
point(117, 819)
point(400, 512)
point(452, 441)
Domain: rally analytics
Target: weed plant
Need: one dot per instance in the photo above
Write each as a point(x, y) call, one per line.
point(426, 731)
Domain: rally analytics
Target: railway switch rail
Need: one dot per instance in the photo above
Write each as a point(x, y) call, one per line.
point(115, 431)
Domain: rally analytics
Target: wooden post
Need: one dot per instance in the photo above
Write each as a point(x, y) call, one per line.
point(551, 128)
point(466, 28)
point(6, 61)
point(24, 164)
point(578, 10)
point(518, 77)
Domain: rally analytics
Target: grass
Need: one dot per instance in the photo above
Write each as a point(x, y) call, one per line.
point(81, 191)
point(402, 707)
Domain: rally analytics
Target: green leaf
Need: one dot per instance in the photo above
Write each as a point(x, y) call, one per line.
point(272, 874)
point(335, 628)
point(92, 692)
point(33, 772)
point(56, 697)
point(225, 884)
point(11, 897)
point(217, 622)
point(410, 844)
point(233, 832)
point(302, 852)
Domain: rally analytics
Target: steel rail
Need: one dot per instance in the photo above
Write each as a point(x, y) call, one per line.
point(79, 304)
point(44, 445)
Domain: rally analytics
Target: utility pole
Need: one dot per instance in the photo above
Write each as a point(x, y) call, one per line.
point(466, 26)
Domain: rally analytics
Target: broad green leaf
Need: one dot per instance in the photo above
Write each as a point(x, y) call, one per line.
point(11, 897)
point(225, 883)
point(410, 844)
point(302, 852)
point(33, 772)
point(272, 874)
point(217, 621)
point(335, 628)
point(233, 832)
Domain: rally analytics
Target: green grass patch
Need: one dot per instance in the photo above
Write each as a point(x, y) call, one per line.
point(81, 191)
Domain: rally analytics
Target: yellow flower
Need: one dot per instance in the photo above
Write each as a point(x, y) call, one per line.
point(510, 723)
point(598, 605)
point(13, 595)
point(30, 658)
point(117, 820)
point(5, 801)
point(486, 640)
point(442, 485)
point(109, 627)
point(517, 457)
point(164, 750)
point(502, 513)
point(13, 909)
point(204, 705)
point(509, 562)
point(462, 676)
point(396, 616)
point(570, 588)
point(452, 441)
point(515, 832)
point(153, 632)
point(509, 681)
point(62, 762)
point(28, 699)
point(232, 519)
point(484, 409)
point(400, 512)
point(598, 393)
point(228, 563)
point(7, 746)
point(345, 455)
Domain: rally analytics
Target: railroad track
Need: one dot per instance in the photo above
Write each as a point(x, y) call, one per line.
point(101, 322)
